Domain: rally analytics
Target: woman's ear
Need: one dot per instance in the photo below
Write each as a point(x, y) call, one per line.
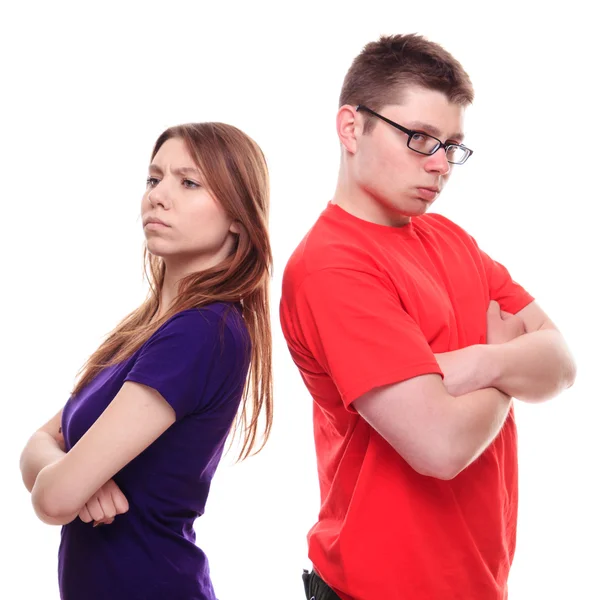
point(235, 227)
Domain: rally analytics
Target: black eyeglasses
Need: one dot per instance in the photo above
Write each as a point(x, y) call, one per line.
point(424, 143)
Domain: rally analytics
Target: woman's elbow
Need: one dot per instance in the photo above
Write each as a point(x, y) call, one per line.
point(52, 507)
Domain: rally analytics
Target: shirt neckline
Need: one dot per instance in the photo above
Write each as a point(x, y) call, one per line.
point(407, 231)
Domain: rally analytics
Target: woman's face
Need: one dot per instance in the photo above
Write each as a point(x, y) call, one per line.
point(182, 220)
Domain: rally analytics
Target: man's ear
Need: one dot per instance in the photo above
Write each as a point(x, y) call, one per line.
point(348, 126)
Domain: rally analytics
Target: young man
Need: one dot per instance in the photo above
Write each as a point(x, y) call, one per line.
point(413, 343)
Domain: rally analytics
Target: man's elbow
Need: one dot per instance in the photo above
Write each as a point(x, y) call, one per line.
point(570, 372)
point(443, 466)
point(444, 473)
point(542, 390)
point(567, 368)
point(564, 379)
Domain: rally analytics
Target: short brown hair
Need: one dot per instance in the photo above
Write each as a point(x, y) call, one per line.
point(386, 66)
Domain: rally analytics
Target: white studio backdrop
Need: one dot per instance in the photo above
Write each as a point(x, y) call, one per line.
point(86, 91)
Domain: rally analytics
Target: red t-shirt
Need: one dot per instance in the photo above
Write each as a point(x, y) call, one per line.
point(363, 306)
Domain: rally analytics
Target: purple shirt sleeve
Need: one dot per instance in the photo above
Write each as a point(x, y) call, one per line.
point(177, 359)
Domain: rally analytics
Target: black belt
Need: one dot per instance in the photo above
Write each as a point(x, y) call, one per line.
point(315, 588)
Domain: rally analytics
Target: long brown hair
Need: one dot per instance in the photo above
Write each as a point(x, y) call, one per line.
point(386, 67)
point(235, 171)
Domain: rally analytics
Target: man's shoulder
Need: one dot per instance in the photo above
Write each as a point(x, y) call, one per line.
point(327, 246)
point(438, 220)
point(441, 225)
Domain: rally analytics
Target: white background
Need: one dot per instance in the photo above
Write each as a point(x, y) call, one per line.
point(86, 91)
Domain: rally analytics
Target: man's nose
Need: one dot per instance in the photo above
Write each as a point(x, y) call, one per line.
point(438, 162)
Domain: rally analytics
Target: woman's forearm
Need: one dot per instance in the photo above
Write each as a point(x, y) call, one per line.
point(40, 451)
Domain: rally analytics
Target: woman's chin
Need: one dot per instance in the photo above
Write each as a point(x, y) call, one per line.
point(157, 249)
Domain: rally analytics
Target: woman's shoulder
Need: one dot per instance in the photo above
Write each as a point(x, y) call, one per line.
point(211, 319)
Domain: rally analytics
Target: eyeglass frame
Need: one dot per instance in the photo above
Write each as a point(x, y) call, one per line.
point(411, 133)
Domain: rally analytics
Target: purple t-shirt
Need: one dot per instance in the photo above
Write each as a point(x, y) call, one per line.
point(198, 361)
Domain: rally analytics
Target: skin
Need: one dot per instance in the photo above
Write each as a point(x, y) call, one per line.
point(196, 233)
point(380, 178)
point(441, 426)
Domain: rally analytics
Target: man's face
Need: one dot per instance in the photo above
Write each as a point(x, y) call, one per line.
point(397, 181)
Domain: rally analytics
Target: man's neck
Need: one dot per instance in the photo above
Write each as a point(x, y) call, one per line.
point(363, 205)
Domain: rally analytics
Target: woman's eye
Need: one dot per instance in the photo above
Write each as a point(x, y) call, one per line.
point(192, 185)
point(151, 182)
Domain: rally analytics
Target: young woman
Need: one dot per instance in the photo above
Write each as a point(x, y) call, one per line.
point(146, 425)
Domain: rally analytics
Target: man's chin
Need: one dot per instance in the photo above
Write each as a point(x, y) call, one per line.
point(420, 207)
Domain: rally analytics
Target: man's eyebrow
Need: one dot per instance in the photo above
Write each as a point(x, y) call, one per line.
point(427, 128)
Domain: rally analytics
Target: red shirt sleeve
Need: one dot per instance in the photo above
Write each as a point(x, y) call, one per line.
point(353, 324)
point(503, 289)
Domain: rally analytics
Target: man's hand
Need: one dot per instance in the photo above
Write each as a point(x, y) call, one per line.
point(525, 357)
point(104, 505)
point(464, 370)
point(502, 327)
point(471, 368)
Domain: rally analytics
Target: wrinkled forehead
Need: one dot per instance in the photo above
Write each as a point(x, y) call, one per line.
point(174, 155)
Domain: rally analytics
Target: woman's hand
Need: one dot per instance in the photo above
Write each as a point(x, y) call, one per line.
point(60, 439)
point(104, 505)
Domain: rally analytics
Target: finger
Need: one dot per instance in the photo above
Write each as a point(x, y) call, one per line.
point(505, 315)
point(119, 499)
point(517, 327)
point(121, 504)
point(95, 509)
point(493, 309)
point(103, 522)
point(107, 505)
point(84, 515)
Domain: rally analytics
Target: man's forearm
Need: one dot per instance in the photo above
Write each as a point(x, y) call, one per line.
point(41, 450)
point(533, 367)
point(474, 420)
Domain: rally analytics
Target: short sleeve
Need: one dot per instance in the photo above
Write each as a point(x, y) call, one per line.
point(503, 289)
point(354, 325)
point(177, 359)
